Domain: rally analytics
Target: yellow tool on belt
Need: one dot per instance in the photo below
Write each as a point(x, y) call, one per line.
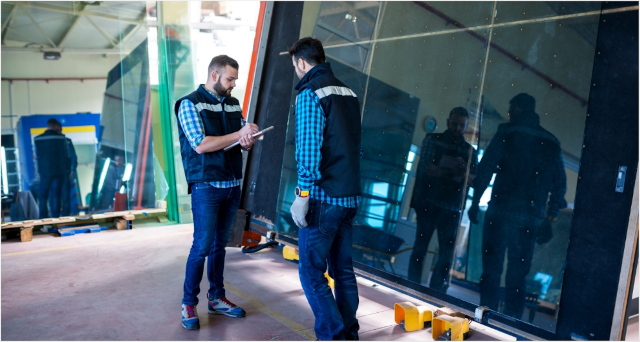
point(291, 253)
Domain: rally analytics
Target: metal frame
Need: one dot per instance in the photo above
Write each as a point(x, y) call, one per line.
point(626, 272)
point(257, 79)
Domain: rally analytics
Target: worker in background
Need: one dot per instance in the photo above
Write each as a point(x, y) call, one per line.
point(328, 156)
point(530, 176)
point(439, 195)
point(72, 166)
point(52, 160)
point(210, 120)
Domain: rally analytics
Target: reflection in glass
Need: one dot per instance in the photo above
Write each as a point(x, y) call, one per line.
point(437, 194)
point(422, 60)
point(528, 165)
point(124, 176)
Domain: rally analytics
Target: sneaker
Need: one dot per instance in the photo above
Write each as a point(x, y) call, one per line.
point(190, 319)
point(223, 306)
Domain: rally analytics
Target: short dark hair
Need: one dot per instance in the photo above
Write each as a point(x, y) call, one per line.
point(309, 49)
point(524, 101)
point(220, 62)
point(51, 123)
point(459, 111)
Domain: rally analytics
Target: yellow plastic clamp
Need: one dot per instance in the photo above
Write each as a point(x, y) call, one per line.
point(412, 317)
point(290, 253)
point(454, 328)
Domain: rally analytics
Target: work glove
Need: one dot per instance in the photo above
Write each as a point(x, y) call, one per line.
point(545, 232)
point(473, 213)
point(299, 210)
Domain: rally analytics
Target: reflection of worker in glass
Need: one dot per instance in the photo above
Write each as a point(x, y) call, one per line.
point(528, 164)
point(438, 195)
point(111, 181)
point(71, 164)
point(51, 156)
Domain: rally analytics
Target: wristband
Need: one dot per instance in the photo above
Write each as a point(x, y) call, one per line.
point(302, 193)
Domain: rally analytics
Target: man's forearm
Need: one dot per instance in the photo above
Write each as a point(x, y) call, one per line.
point(214, 143)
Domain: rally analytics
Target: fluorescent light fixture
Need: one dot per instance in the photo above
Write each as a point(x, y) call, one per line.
point(105, 168)
point(52, 55)
point(127, 172)
point(5, 181)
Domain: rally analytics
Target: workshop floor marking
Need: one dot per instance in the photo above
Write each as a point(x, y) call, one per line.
point(280, 317)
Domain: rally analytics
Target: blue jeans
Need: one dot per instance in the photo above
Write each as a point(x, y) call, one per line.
point(66, 197)
point(214, 210)
point(50, 186)
point(430, 218)
point(516, 234)
point(327, 240)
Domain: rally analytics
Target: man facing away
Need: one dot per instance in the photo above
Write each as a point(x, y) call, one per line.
point(72, 166)
point(328, 193)
point(52, 160)
point(438, 195)
point(530, 177)
point(210, 120)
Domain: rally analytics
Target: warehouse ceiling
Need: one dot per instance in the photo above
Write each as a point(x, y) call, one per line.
point(73, 27)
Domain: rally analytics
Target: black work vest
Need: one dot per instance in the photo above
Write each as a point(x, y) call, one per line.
point(445, 191)
point(212, 166)
point(340, 164)
point(51, 154)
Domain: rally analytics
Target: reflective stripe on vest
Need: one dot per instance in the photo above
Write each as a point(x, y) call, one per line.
point(212, 107)
point(334, 90)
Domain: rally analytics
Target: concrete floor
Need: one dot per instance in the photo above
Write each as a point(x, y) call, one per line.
point(127, 285)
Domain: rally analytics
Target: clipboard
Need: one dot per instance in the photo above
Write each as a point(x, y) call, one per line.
point(253, 135)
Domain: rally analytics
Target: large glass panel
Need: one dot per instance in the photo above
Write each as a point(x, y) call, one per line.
point(432, 17)
point(86, 66)
point(125, 174)
point(551, 61)
point(189, 35)
point(446, 131)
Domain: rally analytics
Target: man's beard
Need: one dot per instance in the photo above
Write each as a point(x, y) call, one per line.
point(220, 90)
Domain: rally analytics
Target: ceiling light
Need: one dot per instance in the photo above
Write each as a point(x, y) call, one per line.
point(52, 56)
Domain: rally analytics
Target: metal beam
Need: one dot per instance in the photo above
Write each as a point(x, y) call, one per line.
point(111, 40)
point(365, 16)
point(129, 35)
point(68, 33)
point(68, 11)
point(7, 22)
point(38, 26)
point(14, 49)
point(73, 26)
point(358, 6)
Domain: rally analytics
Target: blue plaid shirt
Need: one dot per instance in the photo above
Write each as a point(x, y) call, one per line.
point(310, 122)
point(194, 130)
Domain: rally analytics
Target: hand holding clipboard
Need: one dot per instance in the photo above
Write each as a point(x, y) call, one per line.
point(253, 135)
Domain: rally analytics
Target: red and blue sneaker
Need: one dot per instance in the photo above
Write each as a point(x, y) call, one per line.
point(223, 306)
point(190, 319)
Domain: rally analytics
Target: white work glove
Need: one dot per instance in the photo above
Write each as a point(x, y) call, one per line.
point(299, 210)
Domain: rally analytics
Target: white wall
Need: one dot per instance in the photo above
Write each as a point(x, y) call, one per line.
point(54, 97)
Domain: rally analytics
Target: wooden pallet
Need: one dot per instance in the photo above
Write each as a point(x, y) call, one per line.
point(122, 220)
